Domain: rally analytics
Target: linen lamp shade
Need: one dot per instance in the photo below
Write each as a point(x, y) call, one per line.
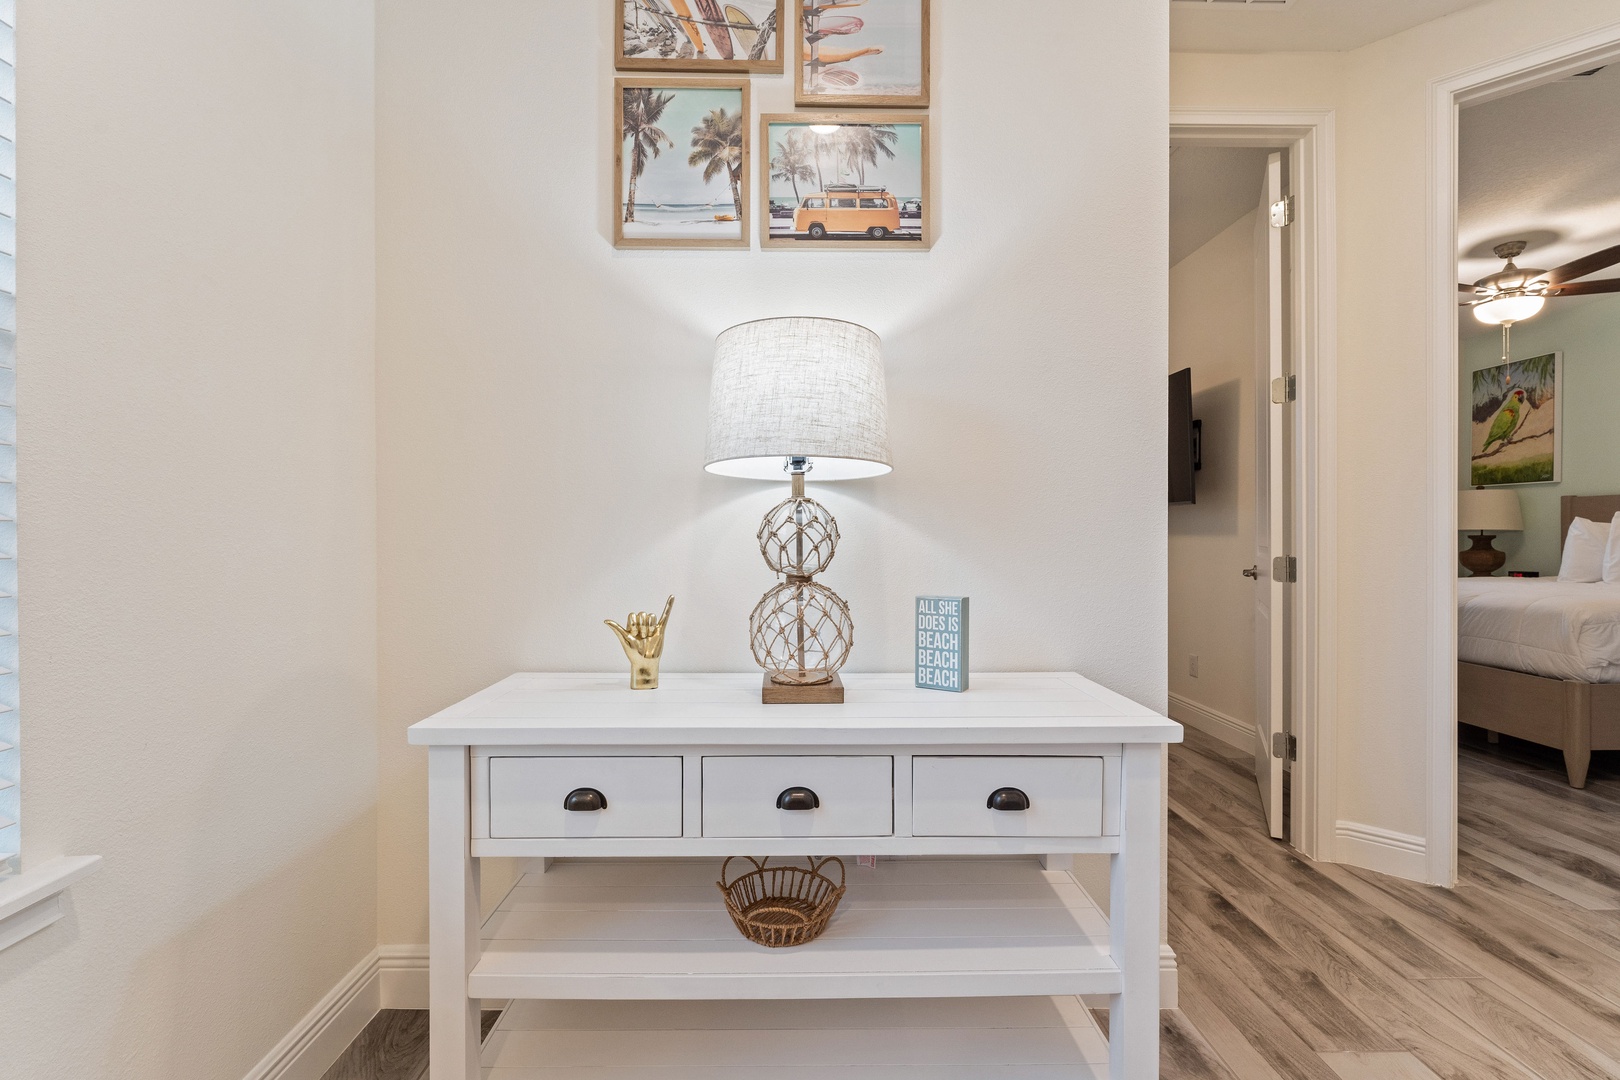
point(1491, 510)
point(798, 387)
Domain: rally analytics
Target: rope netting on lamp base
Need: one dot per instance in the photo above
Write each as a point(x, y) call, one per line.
point(800, 631)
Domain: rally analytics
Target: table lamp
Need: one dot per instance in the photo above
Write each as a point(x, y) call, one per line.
point(1489, 512)
point(800, 398)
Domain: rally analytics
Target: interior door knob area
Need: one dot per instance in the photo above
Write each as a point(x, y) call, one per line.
point(1252, 572)
point(585, 800)
point(798, 798)
point(1008, 799)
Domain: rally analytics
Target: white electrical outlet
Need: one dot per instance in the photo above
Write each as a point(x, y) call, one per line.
point(1192, 665)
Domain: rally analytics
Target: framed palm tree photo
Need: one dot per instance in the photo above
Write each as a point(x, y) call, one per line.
point(861, 53)
point(680, 170)
point(700, 35)
point(845, 179)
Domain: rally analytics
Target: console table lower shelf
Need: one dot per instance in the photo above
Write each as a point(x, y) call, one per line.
point(643, 976)
point(941, 1039)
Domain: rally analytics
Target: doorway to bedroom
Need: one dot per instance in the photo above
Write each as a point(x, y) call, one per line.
point(1538, 596)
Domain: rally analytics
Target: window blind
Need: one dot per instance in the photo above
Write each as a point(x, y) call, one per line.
point(10, 756)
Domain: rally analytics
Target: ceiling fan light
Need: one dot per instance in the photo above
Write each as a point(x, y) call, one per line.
point(1509, 309)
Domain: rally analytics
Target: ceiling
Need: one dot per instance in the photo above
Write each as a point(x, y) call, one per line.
point(1542, 166)
point(1300, 26)
point(1210, 188)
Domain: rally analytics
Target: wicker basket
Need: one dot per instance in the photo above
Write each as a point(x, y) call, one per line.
point(780, 906)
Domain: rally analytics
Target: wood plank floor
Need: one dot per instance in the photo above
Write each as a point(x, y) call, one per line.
point(393, 1047)
point(1293, 970)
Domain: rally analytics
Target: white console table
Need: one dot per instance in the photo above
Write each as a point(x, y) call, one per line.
point(651, 788)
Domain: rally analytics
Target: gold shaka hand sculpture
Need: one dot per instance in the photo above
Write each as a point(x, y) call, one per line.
point(643, 641)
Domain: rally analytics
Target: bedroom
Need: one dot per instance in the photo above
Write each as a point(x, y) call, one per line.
point(1539, 467)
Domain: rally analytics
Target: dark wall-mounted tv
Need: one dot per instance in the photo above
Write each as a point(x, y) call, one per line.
point(1184, 450)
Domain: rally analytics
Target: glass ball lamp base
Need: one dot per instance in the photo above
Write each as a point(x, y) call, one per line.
point(800, 631)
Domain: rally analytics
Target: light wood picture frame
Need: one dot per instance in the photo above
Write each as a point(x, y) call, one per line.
point(702, 36)
point(1516, 430)
point(861, 53)
point(815, 192)
point(690, 179)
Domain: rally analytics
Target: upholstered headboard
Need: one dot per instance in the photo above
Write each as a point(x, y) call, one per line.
point(1591, 507)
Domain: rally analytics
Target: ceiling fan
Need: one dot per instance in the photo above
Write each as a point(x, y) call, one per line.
point(1515, 293)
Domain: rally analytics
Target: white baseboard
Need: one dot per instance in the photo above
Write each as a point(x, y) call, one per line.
point(1230, 730)
point(404, 976)
point(1169, 981)
point(1398, 854)
point(1169, 984)
point(320, 1038)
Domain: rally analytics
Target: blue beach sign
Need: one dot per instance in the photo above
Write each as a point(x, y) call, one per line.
point(942, 643)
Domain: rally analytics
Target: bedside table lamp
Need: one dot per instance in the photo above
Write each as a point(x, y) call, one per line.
point(799, 398)
point(1489, 512)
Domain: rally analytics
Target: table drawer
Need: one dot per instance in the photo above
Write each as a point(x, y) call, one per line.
point(852, 796)
point(1063, 796)
point(527, 796)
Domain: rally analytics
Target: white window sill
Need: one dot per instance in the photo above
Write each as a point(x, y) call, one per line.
point(32, 900)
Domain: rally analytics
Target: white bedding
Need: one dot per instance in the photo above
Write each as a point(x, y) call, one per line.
point(1558, 629)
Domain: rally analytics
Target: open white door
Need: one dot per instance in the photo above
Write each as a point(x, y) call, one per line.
point(1271, 536)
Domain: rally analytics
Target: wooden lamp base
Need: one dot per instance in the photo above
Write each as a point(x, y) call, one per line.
point(1482, 560)
point(827, 693)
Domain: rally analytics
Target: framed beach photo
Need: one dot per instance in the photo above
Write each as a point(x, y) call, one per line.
point(1516, 425)
point(700, 35)
point(680, 172)
point(863, 53)
point(845, 179)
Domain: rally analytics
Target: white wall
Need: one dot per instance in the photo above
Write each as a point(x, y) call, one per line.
point(542, 396)
point(1381, 97)
point(1212, 331)
point(197, 490)
point(1586, 329)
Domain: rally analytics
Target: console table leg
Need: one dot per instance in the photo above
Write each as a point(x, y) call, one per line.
point(452, 918)
point(1133, 1021)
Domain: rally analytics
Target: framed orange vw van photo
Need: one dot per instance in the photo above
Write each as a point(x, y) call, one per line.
point(845, 180)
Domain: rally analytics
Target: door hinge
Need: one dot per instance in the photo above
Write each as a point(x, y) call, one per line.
point(1282, 212)
point(1285, 568)
point(1284, 745)
point(1284, 390)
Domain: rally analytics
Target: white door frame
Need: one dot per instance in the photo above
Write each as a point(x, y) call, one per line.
point(1308, 135)
point(1486, 82)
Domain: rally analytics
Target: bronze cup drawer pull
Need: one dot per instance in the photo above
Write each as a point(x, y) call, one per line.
point(1009, 799)
point(585, 800)
point(798, 798)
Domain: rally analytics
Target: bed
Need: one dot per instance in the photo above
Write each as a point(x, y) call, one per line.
point(1540, 659)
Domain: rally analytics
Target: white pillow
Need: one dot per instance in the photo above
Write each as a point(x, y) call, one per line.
point(1611, 554)
point(1584, 550)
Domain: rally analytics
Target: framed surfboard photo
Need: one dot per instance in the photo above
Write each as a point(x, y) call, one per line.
point(845, 180)
point(700, 35)
point(680, 169)
point(861, 53)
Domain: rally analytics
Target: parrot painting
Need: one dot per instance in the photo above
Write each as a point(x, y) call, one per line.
point(1508, 419)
